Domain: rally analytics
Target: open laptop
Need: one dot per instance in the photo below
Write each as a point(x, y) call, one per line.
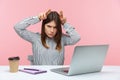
point(85, 59)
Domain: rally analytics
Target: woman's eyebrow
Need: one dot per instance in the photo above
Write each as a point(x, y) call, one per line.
point(50, 25)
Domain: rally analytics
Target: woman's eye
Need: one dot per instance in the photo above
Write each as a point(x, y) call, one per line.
point(48, 26)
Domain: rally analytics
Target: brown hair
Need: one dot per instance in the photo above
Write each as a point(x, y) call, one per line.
point(52, 16)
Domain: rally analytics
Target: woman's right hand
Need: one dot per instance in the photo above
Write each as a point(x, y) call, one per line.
point(62, 18)
point(43, 16)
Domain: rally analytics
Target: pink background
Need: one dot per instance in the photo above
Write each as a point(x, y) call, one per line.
point(97, 21)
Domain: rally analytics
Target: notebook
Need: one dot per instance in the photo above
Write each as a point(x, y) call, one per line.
point(32, 71)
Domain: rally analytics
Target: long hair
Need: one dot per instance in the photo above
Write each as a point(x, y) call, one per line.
point(52, 16)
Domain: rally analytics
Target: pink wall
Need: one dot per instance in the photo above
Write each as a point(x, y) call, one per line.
point(97, 21)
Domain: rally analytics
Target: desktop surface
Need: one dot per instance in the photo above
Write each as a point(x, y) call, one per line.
point(107, 73)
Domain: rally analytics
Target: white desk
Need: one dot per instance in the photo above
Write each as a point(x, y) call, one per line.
point(107, 73)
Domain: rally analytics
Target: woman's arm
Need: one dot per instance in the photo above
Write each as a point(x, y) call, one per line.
point(72, 36)
point(20, 28)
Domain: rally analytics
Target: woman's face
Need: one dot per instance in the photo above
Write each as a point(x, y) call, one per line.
point(50, 29)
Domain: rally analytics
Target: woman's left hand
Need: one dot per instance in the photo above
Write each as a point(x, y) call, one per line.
point(63, 19)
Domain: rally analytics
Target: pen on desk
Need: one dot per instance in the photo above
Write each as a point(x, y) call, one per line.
point(31, 69)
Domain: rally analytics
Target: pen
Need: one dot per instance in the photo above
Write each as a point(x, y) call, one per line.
point(31, 69)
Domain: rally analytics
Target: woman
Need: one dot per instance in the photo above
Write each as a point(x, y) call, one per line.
point(48, 47)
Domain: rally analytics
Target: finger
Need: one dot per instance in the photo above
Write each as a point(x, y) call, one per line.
point(44, 16)
point(48, 12)
point(61, 14)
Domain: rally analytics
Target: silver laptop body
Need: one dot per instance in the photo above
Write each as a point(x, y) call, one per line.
point(85, 59)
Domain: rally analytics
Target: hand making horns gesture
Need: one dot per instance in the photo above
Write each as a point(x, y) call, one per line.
point(63, 19)
point(43, 16)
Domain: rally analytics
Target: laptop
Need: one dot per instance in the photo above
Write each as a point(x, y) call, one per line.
point(85, 59)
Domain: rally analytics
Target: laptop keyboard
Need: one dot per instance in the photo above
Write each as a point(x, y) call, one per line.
point(66, 71)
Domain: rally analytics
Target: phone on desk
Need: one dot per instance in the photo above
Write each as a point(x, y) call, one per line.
point(32, 71)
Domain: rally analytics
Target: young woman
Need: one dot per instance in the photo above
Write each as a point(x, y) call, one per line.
point(48, 47)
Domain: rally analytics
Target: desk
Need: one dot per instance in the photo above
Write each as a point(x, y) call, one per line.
point(107, 73)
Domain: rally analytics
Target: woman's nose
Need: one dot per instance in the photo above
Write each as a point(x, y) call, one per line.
point(52, 29)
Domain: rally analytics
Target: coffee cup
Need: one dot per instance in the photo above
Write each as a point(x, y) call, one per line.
point(13, 64)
